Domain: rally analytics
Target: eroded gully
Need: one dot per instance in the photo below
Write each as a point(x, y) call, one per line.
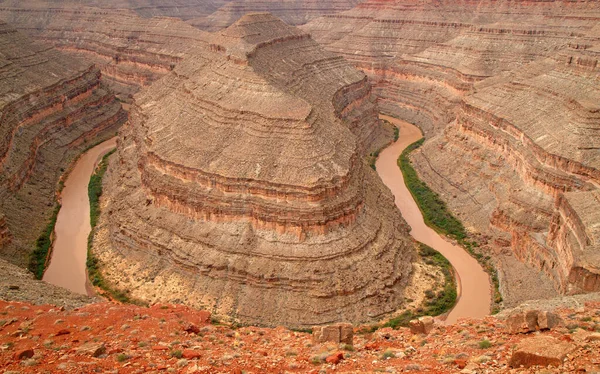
point(474, 284)
point(67, 267)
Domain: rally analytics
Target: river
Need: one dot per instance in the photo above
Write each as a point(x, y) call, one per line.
point(67, 267)
point(474, 287)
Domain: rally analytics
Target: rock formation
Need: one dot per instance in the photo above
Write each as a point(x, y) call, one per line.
point(292, 12)
point(240, 186)
point(184, 9)
point(508, 94)
point(131, 51)
point(51, 108)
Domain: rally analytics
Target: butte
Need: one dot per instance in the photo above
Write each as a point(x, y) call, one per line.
point(240, 186)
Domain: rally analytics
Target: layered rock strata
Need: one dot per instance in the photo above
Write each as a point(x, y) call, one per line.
point(240, 186)
point(51, 108)
point(507, 92)
point(131, 51)
point(292, 12)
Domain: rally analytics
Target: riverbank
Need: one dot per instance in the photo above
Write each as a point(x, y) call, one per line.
point(474, 283)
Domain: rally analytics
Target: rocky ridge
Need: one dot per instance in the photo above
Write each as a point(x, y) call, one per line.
point(254, 200)
point(51, 108)
point(507, 93)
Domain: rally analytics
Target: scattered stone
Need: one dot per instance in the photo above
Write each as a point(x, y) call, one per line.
point(26, 353)
point(13, 287)
point(191, 354)
point(422, 325)
point(62, 332)
point(531, 320)
point(190, 328)
point(338, 333)
point(92, 349)
point(593, 337)
point(540, 350)
point(335, 358)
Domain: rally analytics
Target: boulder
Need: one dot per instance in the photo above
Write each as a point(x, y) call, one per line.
point(422, 325)
point(23, 354)
point(540, 350)
point(338, 333)
point(92, 349)
point(524, 321)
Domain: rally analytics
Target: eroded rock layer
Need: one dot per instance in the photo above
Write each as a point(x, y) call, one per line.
point(131, 51)
point(508, 94)
point(292, 12)
point(240, 186)
point(51, 108)
point(184, 9)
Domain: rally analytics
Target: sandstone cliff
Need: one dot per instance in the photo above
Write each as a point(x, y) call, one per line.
point(508, 94)
point(240, 186)
point(131, 51)
point(51, 108)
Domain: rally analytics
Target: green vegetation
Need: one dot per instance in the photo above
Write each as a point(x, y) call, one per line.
point(94, 193)
point(444, 300)
point(484, 344)
point(437, 216)
point(437, 302)
point(435, 212)
point(37, 259)
point(372, 158)
point(177, 353)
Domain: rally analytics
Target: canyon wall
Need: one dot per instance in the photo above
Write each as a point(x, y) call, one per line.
point(183, 9)
point(131, 51)
point(239, 186)
point(292, 12)
point(51, 108)
point(507, 94)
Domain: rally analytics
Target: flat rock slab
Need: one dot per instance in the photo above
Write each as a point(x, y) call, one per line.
point(540, 350)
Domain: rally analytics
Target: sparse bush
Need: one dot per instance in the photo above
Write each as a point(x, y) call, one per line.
point(484, 344)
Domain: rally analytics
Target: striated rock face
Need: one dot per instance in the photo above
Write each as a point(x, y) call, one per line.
point(292, 12)
point(51, 108)
point(184, 9)
point(131, 51)
point(240, 186)
point(4, 233)
point(507, 92)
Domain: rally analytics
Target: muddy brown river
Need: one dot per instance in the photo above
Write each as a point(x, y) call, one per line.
point(67, 267)
point(474, 284)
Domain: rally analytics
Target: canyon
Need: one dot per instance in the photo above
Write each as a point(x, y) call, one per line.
point(240, 178)
point(52, 107)
point(507, 96)
point(239, 186)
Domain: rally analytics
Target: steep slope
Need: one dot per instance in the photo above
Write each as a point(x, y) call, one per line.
point(51, 108)
point(131, 51)
point(240, 186)
point(507, 92)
